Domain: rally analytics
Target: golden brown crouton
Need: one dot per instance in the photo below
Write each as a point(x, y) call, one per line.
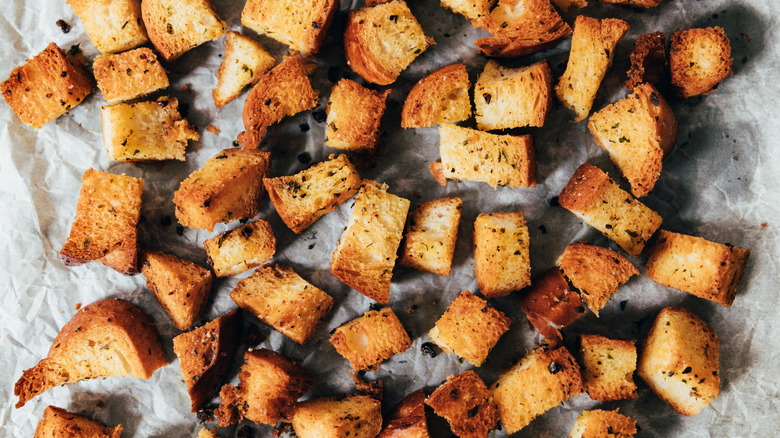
point(564, 5)
point(699, 59)
point(439, 97)
point(59, 423)
point(228, 187)
point(47, 86)
point(645, 4)
point(301, 25)
point(113, 27)
point(608, 367)
point(592, 48)
point(206, 433)
point(550, 305)
point(692, 264)
point(431, 233)
point(603, 424)
point(354, 416)
point(407, 419)
point(474, 10)
point(501, 256)
point(648, 60)
point(466, 403)
point(370, 339)
point(176, 26)
point(242, 249)
point(593, 197)
point(245, 62)
point(354, 115)
point(513, 97)
point(129, 75)
point(679, 360)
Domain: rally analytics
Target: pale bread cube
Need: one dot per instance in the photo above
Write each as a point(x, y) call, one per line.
point(301, 25)
point(603, 424)
point(431, 232)
point(513, 97)
point(242, 249)
point(245, 62)
point(354, 115)
point(354, 416)
point(177, 26)
point(501, 253)
point(608, 367)
point(112, 25)
point(370, 339)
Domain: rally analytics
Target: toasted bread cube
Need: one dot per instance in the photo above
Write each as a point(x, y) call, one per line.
point(699, 59)
point(431, 233)
point(645, 4)
point(228, 187)
point(648, 60)
point(543, 379)
point(382, 40)
point(354, 115)
point(242, 249)
point(564, 5)
point(474, 10)
point(469, 328)
point(58, 422)
point(466, 403)
point(513, 97)
point(439, 97)
point(368, 340)
point(692, 264)
point(592, 48)
point(245, 62)
point(593, 197)
point(355, 416)
point(301, 25)
point(550, 305)
point(595, 271)
point(679, 360)
point(365, 255)
point(499, 160)
point(176, 26)
point(113, 26)
point(129, 75)
point(603, 424)
point(501, 253)
point(146, 131)
point(608, 367)
point(407, 419)
point(206, 433)
point(47, 86)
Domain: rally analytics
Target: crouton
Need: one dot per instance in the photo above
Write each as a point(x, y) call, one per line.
point(564, 5)
point(206, 433)
point(206, 356)
point(596, 272)
point(550, 305)
point(303, 198)
point(129, 75)
point(592, 48)
point(513, 97)
point(381, 41)
point(469, 328)
point(699, 59)
point(365, 255)
point(301, 25)
point(354, 115)
point(228, 187)
point(439, 97)
point(608, 367)
point(58, 422)
point(644, 4)
point(110, 337)
point(107, 214)
point(113, 26)
point(146, 131)
point(431, 233)
point(176, 26)
point(638, 132)
point(241, 249)
point(47, 86)
point(499, 160)
point(603, 424)
point(355, 416)
point(648, 60)
point(466, 403)
point(245, 62)
point(407, 419)
point(370, 339)
point(679, 360)
point(474, 10)
point(180, 286)
point(692, 264)
point(593, 197)
point(501, 255)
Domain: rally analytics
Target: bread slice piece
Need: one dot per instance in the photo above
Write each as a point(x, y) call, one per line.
point(47, 86)
point(501, 253)
point(513, 97)
point(603, 424)
point(648, 60)
point(608, 367)
point(176, 26)
point(431, 232)
point(242, 249)
point(355, 416)
point(564, 5)
point(368, 340)
point(301, 25)
point(466, 403)
point(550, 305)
point(129, 75)
point(113, 26)
point(474, 10)
point(354, 115)
point(407, 419)
point(698, 266)
point(699, 59)
point(58, 422)
point(245, 62)
point(439, 97)
point(110, 337)
point(643, 4)
point(592, 48)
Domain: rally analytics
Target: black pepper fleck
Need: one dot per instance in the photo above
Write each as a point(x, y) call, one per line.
point(427, 349)
point(554, 367)
point(304, 158)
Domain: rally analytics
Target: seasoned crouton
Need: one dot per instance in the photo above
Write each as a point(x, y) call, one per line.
point(113, 26)
point(176, 26)
point(466, 403)
point(431, 233)
point(699, 59)
point(407, 419)
point(245, 62)
point(474, 10)
point(301, 25)
point(370, 339)
point(564, 5)
point(679, 360)
point(439, 97)
point(692, 264)
point(550, 305)
point(242, 249)
point(608, 367)
point(513, 97)
point(592, 48)
point(58, 422)
point(47, 86)
point(129, 75)
point(206, 433)
point(501, 256)
point(603, 424)
point(354, 114)
point(648, 60)
point(228, 187)
point(381, 41)
point(354, 416)
point(593, 197)
point(645, 4)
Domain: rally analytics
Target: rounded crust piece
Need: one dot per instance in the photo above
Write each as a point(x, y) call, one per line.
point(699, 59)
point(439, 97)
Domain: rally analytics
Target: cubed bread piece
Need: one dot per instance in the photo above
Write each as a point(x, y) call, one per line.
point(474, 10)
point(382, 40)
point(365, 255)
point(245, 62)
point(699, 59)
point(206, 433)
point(59, 423)
point(608, 367)
point(439, 97)
point(692, 264)
point(107, 214)
point(593, 197)
point(603, 424)
point(228, 187)
point(550, 305)
point(564, 5)
point(501, 253)
point(543, 379)
point(368, 340)
point(129, 75)
point(431, 232)
point(113, 26)
point(176, 26)
point(407, 419)
point(242, 249)
point(592, 48)
point(466, 403)
point(301, 25)
point(110, 337)
point(645, 4)
point(354, 416)
point(206, 356)
point(354, 115)
point(180, 286)
point(596, 272)
point(469, 328)
point(648, 60)
point(146, 131)
point(638, 132)
point(499, 160)
point(47, 86)
point(679, 360)
point(513, 97)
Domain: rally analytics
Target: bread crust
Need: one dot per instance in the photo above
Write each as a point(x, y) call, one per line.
point(439, 97)
point(699, 59)
point(301, 25)
point(354, 117)
point(245, 62)
point(513, 97)
point(648, 60)
point(608, 367)
point(466, 403)
point(129, 75)
point(177, 26)
point(58, 422)
point(241, 249)
point(501, 253)
point(550, 305)
point(407, 419)
point(535, 27)
point(356, 416)
point(368, 340)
